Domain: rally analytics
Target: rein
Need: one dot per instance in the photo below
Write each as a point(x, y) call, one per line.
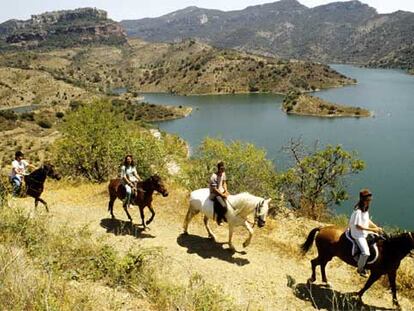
point(256, 213)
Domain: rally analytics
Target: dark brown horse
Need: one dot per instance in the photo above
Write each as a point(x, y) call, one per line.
point(35, 182)
point(331, 241)
point(142, 198)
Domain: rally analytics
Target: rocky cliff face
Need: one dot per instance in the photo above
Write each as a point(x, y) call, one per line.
point(337, 32)
point(62, 29)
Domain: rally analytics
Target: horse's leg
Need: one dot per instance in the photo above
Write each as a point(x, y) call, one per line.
point(141, 212)
point(315, 262)
point(231, 246)
point(250, 229)
point(126, 211)
point(210, 233)
point(323, 264)
point(37, 200)
point(374, 276)
point(152, 214)
point(391, 278)
point(190, 214)
point(111, 207)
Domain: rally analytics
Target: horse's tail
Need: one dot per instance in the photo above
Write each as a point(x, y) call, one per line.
point(309, 241)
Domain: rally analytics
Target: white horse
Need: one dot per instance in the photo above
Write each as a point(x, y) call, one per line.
point(239, 206)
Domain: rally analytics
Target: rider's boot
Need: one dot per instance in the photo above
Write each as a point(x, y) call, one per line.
point(361, 265)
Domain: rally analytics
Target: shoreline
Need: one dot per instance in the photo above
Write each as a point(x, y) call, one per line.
point(371, 114)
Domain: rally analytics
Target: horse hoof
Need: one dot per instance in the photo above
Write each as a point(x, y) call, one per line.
point(396, 304)
point(148, 222)
point(245, 244)
point(310, 281)
point(328, 285)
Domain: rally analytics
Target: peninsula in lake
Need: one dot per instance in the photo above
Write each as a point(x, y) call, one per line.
point(308, 105)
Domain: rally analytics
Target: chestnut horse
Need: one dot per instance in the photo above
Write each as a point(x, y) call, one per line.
point(141, 198)
point(331, 241)
point(35, 182)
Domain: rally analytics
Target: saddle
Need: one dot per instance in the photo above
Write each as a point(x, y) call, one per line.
point(372, 240)
point(135, 191)
point(219, 211)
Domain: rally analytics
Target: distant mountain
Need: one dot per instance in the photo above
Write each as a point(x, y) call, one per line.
point(61, 29)
point(337, 32)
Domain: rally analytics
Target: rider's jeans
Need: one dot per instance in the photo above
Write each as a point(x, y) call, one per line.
point(17, 184)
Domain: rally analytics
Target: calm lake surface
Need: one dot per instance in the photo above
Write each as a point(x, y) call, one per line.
point(385, 142)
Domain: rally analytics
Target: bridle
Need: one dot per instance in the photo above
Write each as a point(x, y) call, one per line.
point(256, 211)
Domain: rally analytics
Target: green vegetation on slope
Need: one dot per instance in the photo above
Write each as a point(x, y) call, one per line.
point(44, 268)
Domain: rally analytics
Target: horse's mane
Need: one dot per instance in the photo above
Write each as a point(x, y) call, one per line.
point(36, 172)
point(244, 200)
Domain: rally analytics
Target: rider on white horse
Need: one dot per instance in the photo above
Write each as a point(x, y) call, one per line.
point(218, 191)
point(240, 206)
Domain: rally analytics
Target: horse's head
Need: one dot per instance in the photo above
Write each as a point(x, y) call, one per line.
point(50, 171)
point(158, 185)
point(261, 211)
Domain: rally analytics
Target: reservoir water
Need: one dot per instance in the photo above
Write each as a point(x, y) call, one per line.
point(385, 142)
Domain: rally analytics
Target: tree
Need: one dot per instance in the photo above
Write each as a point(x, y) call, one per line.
point(317, 179)
point(96, 139)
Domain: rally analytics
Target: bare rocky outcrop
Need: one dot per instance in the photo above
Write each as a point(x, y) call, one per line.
point(63, 29)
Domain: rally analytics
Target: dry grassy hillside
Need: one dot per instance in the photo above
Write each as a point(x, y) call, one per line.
point(188, 67)
point(268, 275)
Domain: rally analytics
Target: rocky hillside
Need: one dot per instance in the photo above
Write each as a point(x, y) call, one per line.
point(61, 29)
point(187, 67)
point(337, 32)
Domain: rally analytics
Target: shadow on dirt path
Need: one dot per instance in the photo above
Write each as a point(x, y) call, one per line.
point(326, 298)
point(120, 227)
point(206, 248)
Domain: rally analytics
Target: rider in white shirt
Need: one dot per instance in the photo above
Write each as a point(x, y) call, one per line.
point(360, 225)
point(129, 178)
point(19, 170)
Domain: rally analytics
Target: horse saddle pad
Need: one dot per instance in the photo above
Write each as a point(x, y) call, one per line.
point(372, 243)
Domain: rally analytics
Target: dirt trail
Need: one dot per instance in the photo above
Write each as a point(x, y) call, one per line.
point(268, 275)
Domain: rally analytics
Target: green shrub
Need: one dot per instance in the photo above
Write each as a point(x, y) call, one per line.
point(247, 167)
point(8, 115)
point(27, 116)
point(96, 140)
point(44, 123)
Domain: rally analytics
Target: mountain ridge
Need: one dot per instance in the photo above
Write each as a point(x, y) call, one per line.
point(346, 32)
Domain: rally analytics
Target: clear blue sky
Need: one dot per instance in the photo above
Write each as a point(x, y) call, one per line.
point(135, 9)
